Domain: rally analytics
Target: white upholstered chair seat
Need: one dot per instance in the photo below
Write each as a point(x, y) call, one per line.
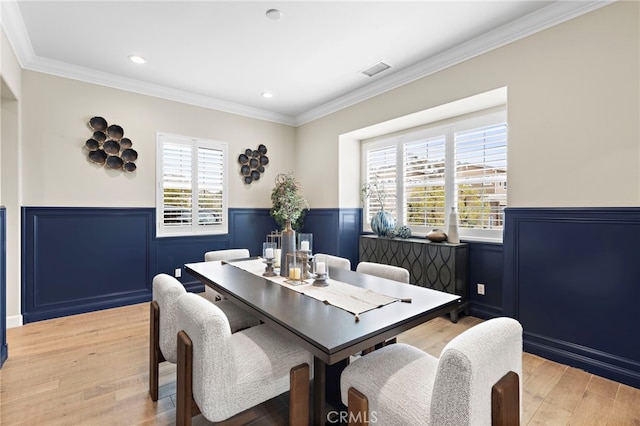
point(410, 387)
point(386, 374)
point(333, 261)
point(232, 372)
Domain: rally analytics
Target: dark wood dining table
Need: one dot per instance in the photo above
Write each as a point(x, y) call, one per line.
point(330, 333)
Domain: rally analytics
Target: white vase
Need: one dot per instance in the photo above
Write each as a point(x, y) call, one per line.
point(452, 234)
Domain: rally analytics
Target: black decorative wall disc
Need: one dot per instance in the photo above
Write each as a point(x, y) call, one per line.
point(252, 163)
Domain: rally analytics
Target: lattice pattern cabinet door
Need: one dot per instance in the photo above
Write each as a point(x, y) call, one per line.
point(440, 266)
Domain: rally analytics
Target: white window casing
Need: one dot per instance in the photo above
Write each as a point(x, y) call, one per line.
point(191, 186)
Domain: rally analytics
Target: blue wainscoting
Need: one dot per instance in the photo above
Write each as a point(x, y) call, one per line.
point(4, 351)
point(77, 260)
point(572, 278)
point(485, 267)
point(335, 231)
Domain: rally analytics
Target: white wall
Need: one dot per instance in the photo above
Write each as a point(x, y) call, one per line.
point(56, 172)
point(573, 108)
point(10, 180)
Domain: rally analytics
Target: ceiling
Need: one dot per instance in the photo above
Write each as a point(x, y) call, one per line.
point(225, 54)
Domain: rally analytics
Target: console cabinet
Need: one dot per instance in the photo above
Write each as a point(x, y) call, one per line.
point(440, 266)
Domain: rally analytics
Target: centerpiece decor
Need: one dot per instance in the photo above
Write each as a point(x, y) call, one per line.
point(288, 206)
point(382, 222)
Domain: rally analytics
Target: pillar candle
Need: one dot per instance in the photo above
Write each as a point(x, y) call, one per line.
point(268, 253)
point(294, 273)
point(321, 268)
point(304, 245)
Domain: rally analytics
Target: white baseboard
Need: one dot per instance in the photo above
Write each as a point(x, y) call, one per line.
point(14, 321)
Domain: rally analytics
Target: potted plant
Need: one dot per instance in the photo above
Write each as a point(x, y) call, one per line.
point(288, 207)
point(288, 203)
point(382, 222)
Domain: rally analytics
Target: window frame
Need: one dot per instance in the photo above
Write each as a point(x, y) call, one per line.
point(448, 128)
point(194, 228)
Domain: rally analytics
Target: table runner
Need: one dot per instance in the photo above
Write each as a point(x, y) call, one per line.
point(350, 298)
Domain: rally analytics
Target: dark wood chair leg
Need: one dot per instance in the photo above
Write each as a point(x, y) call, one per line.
point(505, 401)
point(155, 355)
point(299, 395)
point(186, 407)
point(358, 408)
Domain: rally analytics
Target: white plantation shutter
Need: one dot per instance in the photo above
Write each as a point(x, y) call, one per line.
point(176, 185)
point(481, 176)
point(461, 163)
point(424, 178)
point(381, 166)
point(210, 187)
point(192, 187)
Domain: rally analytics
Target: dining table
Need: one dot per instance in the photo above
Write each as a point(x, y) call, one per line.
point(330, 333)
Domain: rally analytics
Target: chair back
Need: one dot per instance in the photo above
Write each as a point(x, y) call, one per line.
point(226, 254)
point(333, 261)
point(390, 272)
point(469, 366)
point(214, 363)
point(166, 291)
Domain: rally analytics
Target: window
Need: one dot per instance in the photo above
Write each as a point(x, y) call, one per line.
point(192, 192)
point(460, 164)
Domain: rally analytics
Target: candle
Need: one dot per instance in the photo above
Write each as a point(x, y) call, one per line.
point(268, 253)
point(304, 245)
point(321, 268)
point(277, 262)
point(294, 273)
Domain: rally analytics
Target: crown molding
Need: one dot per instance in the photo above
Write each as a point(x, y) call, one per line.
point(13, 25)
point(554, 14)
point(87, 75)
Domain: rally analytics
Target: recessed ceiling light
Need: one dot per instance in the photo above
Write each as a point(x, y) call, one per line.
point(137, 59)
point(267, 95)
point(274, 14)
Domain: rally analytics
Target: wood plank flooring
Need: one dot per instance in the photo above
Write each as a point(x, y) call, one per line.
point(91, 369)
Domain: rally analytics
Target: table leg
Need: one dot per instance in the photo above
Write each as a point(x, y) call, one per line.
point(326, 389)
point(319, 388)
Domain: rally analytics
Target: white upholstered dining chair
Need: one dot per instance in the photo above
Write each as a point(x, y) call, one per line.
point(226, 254)
point(221, 373)
point(390, 272)
point(395, 273)
point(163, 323)
point(475, 382)
point(333, 261)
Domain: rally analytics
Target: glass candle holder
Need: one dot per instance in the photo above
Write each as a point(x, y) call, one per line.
point(294, 267)
point(305, 243)
point(269, 255)
point(269, 250)
point(320, 272)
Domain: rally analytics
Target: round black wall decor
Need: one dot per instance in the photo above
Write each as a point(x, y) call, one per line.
point(108, 147)
point(252, 163)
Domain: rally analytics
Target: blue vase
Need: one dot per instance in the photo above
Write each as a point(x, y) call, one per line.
point(382, 222)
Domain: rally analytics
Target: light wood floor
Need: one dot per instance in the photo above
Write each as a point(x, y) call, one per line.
point(91, 369)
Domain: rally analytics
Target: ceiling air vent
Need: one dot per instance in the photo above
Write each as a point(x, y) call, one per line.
point(375, 69)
